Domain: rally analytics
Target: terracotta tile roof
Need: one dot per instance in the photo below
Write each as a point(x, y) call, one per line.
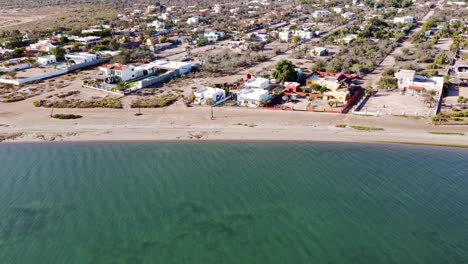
point(416, 88)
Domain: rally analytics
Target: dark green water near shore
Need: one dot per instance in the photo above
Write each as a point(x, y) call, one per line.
point(232, 203)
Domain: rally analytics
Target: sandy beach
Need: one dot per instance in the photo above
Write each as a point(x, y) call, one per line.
point(22, 122)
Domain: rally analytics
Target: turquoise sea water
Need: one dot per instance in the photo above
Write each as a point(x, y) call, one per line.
point(115, 203)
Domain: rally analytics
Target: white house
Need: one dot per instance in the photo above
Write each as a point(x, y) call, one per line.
point(123, 72)
point(90, 40)
point(348, 15)
point(217, 8)
point(458, 3)
point(213, 35)
point(348, 38)
point(337, 10)
point(157, 24)
point(119, 72)
point(181, 67)
point(261, 37)
point(321, 13)
point(126, 72)
point(304, 34)
point(43, 45)
point(193, 20)
point(165, 16)
point(252, 97)
point(46, 60)
point(213, 94)
point(257, 83)
point(411, 83)
point(80, 57)
point(284, 36)
point(403, 20)
point(319, 51)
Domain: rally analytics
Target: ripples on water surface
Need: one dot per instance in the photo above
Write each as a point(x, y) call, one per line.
point(232, 203)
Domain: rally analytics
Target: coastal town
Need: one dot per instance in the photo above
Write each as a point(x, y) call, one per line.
point(299, 70)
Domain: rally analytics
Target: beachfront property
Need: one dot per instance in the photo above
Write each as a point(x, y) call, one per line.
point(14, 65)
point(74, 62)
point(403, 20)
point(46, 60)
point(257, 83)
point(209, 95)
point(80, 57)
point(338, 85)
point(144, 75)
point(117, 72)
point(252, 97)
point(410, 83)
point(336, 91)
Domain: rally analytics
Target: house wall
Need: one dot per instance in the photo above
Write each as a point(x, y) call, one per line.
point(155, 80)
point(55, 73)
point(18, 67)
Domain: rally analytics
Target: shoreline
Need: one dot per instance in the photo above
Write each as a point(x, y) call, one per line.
point(23, 123)
point(233, 141)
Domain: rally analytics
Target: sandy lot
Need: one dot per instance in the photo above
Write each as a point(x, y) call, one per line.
point(394, 103)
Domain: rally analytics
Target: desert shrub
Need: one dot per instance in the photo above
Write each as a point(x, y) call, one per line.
point(157, 102)
point(66, 116)
point(103, 103)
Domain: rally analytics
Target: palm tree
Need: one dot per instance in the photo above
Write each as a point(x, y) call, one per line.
point(122, 86)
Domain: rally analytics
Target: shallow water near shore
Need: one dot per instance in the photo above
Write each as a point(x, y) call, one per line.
point(232, 203)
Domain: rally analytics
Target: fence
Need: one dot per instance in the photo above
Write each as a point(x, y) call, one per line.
point(352, 101)
point(55, 73)
point(297, 110)
point(34, 78)
point(103, 89)
point(155, 80)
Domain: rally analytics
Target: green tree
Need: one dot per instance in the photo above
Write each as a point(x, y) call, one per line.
point(17, 52)
point(318, 65)
point(369, 90)
point(121, 86)
point(296, 39)
point(64, 40)
point(59, 53)
point(285, 71)
point(319, 88)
